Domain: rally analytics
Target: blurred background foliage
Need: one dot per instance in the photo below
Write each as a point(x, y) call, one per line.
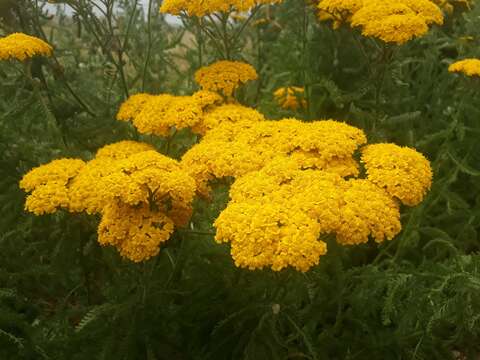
point(64, 297)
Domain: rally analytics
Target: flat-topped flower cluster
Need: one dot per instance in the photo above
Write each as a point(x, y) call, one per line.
point(392, 21)
point(205, 7)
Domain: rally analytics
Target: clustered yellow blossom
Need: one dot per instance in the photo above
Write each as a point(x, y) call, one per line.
point(291, 97)
point(200, 112)
point(234, 149)
point(392, 21)
point(469, 67)
point(21, 47)
point(204, 7)
point(228, 113)
point(132, 106)
point(224, 76)
point(277, 215)
point(296, 182)
point(403, 172)
point(136, 231)
point(48, 185)
point(140, 194)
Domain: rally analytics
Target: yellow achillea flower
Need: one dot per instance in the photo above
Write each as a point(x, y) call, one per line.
point(163, 112)
point(270, 208)
point(367, 210)
point(21, 47)
point(87, 191)
point(137, 232)
point(228, 113)
point(158, 114)
point(133, 106)
point(140, 193)
point(291, 97)
point(338, 10)
point(48, 185)
point(403, 172)
point(270, 235)
point(224, 76)
point(234, 149)
point(397, 21)
point(122, 150)
point(151, 178)
point(205, 7)
point(469, 67)
point(206, 98)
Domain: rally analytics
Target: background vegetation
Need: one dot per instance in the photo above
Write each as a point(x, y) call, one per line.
point(64, 297)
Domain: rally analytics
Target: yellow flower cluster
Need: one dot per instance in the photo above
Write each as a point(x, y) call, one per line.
point(295, 182)
point(224, 76)
point(137, 232)
point(204, 7)
point(395, 21)
point(228, 113)
point(469, 67)
point(290, 98)
point(140, 194)
point(21, 47)
point(234, 149)
point(48, 185)
point(133, 106)
point(403, 172)
point(277, 215)
point(201, 112)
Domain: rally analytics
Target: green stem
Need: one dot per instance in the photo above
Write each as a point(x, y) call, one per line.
point(51, 120)
point(149, 44)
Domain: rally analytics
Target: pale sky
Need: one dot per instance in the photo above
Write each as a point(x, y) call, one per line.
point(53, 8)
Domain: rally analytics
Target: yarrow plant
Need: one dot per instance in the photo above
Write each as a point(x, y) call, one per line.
point(294, 182)
point(128, 180)
point(390, 21)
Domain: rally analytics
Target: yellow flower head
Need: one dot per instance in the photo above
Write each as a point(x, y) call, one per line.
point(397, 21)
point(403, 172)
point(290, 98)
point(163, 112)
point(206, 98)
point(48, 185)
point(225, 77)
point(234, 149)
point(87, 191)
point(338, 10)
point(469, 67)
point(205, 7)
point(270, 207)
point(136, 232)
point(228, 113)
point(151, 178)
point(21, 47)
point(270, 235)
point(122, 150)
point(132, 106)
point(367, 210)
